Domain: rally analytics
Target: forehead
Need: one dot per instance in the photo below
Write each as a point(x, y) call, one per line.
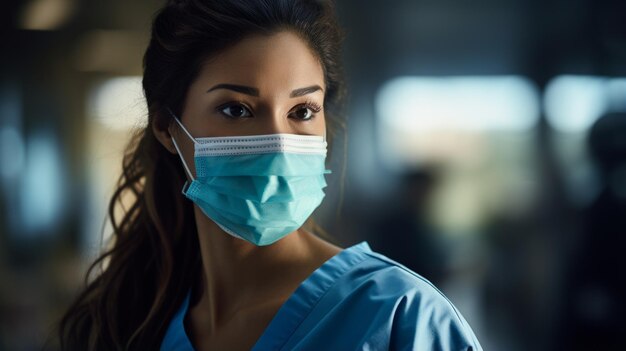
point(274, 64)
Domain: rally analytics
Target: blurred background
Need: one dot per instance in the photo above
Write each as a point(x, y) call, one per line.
point(485, 149)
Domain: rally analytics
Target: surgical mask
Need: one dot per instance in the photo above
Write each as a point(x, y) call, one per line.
point(257, 188)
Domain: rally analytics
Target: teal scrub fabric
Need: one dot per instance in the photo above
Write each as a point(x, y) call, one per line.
point(357, 300)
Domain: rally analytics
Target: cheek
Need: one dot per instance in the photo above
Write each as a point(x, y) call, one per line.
point(187, 149)
point(321, 122)
point(190, 159)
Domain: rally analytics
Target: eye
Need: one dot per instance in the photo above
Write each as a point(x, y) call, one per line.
point(305, 111)
point(235, 111)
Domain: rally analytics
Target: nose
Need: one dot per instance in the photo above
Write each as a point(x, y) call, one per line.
point(276, 122)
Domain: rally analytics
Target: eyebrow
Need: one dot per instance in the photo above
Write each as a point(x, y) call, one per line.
point(255, 92)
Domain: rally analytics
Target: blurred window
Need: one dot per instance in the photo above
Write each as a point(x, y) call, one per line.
point(573, 103)
point(118, 103)
point(115, 107)
point(477, 131)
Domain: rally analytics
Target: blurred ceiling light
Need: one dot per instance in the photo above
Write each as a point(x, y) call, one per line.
point(112, 51)
point(46, 14)
point(574, 103)
point(118, 103)
point(425, 104)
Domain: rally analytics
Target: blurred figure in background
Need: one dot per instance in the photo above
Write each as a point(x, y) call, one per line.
point(594, 315)
point(404, 221)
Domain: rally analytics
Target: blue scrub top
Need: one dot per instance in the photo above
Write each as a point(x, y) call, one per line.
point(357, 300)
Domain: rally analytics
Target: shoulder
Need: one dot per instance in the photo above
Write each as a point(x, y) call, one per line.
point(416, 313)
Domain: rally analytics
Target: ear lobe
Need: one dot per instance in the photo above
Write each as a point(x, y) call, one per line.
point(164, 137)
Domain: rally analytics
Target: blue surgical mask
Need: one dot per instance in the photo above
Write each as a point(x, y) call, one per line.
point(257, 188)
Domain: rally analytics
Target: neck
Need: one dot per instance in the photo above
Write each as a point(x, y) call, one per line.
point(239, 276)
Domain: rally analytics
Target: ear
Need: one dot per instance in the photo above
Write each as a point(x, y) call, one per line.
point(163, 136)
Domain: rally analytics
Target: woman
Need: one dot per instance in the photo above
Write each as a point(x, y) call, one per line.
point(212, 253)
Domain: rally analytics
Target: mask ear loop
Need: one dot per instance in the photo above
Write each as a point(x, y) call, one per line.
point(180, 154)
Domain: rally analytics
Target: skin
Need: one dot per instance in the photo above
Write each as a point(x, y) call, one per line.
point(242, 285)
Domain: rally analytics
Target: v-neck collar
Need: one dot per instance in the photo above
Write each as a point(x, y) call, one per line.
point(297, 307)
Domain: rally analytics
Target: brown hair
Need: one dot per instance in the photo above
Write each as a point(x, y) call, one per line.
point(155, 255)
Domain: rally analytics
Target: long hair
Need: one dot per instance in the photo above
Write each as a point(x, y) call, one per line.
point(144, 276)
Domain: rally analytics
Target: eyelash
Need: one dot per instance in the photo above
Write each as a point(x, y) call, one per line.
point(313, 106)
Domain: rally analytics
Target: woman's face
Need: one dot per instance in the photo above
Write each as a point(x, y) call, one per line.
point(261, 85)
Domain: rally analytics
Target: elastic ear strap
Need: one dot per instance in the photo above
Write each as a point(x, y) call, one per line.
point(182, 159)
point(181, 125)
